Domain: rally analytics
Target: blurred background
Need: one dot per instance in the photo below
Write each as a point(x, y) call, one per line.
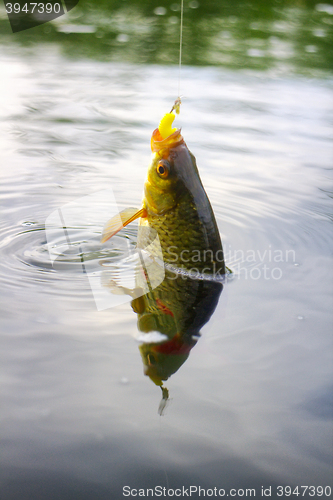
point(285, 35)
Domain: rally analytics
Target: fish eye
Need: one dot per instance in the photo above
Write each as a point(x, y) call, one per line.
point(163, 169)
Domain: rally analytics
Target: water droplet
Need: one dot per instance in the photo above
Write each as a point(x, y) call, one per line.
point(255, 53)
point(324, 7)
point(300, 317)
point(160, 11)
point(311, 48)
point(194, 4)
point(122, 37)
point(319, 32)
point(28, 223)
point(225, 34)
point(296, 264)
point(124, 381)
point(175, 7)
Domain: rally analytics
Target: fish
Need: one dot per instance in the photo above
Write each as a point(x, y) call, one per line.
point(175, 206)
point(178, 226)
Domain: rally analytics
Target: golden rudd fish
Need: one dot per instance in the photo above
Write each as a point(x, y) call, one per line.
point(176, 206)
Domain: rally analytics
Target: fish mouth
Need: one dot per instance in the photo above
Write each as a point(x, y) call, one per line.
point(158, 143)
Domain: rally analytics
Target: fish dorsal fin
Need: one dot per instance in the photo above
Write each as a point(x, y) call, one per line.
point(121, 220)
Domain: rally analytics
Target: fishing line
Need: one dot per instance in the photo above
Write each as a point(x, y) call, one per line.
point(180, 43)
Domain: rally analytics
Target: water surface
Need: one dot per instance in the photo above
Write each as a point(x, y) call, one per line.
point(252, 405)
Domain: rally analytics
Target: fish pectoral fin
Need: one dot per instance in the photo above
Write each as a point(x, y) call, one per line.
point(121, 220)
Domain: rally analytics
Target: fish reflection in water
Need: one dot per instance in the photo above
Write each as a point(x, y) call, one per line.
point(178, 308)
point(170, 317)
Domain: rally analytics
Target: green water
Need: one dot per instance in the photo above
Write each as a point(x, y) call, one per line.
point(287, 36)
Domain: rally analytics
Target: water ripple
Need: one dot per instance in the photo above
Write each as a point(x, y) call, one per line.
point(26, 257)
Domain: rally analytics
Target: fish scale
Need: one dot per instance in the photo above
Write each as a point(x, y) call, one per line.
point(181, 230)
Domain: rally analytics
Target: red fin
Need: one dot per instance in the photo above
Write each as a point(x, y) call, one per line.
point(174, 346)
point(121, 220)
point(162, 307)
